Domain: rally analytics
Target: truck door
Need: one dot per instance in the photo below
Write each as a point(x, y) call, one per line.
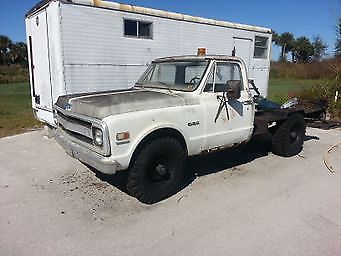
point(227, 121)
point(37, 35)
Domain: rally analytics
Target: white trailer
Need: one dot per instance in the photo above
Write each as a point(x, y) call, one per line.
point(79, 46)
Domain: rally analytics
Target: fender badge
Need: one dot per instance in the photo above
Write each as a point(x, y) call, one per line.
point(193, 123)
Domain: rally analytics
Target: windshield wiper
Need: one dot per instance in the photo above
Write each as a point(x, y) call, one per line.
point(167, 85)
point(141, 85)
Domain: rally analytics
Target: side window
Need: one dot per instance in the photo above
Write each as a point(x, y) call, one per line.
point(223, 73)
point(138, 29)
point(261, 47)
point(226, 73)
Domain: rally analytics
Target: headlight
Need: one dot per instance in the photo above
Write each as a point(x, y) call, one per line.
point(98, 136)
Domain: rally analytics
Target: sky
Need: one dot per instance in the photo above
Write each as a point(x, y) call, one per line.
point(301, 17)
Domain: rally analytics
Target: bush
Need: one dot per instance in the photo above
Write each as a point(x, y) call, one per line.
point(326, 69)
point(325, 91)
point(13, 74)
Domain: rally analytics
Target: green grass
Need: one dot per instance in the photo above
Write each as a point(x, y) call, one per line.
point(280, 90)
point(16, 114)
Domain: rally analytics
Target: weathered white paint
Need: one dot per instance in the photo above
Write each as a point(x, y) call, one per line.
point(210, 133)
point(41, 96)
point(87, 51)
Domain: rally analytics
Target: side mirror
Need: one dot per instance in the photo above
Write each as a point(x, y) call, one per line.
point(233, 89)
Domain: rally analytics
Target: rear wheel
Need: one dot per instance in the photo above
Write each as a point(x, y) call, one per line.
point(157, 171)
point(288, 139)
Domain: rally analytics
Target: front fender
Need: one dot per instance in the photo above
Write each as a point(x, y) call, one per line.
point(154, 129)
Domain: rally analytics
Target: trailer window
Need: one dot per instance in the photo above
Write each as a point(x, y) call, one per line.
point(261, 47)
point(130, 27)
point(139, 29)
point(145, 29)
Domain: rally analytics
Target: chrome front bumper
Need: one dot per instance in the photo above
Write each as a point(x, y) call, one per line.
point(101, 163)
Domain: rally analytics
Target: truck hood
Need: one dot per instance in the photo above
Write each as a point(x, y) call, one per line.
point(101, 105)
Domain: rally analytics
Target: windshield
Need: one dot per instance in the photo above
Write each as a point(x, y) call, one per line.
point(178, 75)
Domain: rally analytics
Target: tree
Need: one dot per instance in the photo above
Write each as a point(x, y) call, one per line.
point(18, 53)
point(304, 50)
point(286, 41)
point(320, 48)
point(5, 43)
point(275, 37)
point(338, 39)
point(12, 53)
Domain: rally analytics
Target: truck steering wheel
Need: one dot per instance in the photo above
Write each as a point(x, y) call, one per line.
point(194, 80)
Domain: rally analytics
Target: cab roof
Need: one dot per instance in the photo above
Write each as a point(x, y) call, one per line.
point(197, 58)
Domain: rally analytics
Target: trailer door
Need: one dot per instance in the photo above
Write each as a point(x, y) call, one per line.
point(39, 62)
point(243, 49)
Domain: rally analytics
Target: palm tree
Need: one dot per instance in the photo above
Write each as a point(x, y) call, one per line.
point(276, 38)
point(287, 42)
point(320, 48)
point(304, 50)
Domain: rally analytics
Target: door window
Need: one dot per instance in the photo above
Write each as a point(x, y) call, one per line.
point(224, 73)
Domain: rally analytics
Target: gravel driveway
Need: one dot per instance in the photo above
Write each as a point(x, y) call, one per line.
point(243, 201)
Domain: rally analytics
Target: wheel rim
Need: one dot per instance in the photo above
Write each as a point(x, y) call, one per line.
point(159, 170)
point(294, 135)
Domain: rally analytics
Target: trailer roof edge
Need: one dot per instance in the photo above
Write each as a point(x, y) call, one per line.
point(152, 12)
point(40, 5)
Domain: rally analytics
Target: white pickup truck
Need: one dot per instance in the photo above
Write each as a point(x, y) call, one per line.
point(181, 106)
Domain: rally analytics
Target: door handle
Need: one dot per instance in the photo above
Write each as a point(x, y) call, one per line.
point(37, 99)
point(248, 102)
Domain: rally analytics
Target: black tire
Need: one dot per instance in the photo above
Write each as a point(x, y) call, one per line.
point(288, 139)
point(157, 171)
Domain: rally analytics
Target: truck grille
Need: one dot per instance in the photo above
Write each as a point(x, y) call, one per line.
point(80, 130)
point(74, 125)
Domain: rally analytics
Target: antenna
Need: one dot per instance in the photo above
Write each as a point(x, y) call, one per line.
point(234, 51)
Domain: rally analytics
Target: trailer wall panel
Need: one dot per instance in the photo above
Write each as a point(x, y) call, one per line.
point(88, 51)
point(94, 43)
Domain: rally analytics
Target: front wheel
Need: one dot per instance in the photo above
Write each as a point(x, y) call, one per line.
point(157, 171)
point(288, 139)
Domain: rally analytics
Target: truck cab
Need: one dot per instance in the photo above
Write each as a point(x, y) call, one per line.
point(218, 107)
point(181, 106)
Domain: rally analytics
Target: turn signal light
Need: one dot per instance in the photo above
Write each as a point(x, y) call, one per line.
point(122, 136)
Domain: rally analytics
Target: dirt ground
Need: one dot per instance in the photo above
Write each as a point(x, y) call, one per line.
point(244, 201)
